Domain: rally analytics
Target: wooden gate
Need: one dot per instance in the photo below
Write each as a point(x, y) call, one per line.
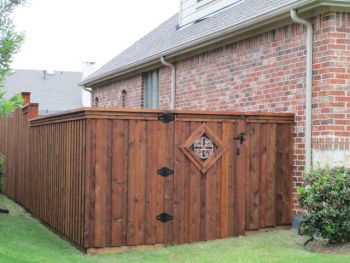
point(208, 191)
point(111, 178)
point(152, 185)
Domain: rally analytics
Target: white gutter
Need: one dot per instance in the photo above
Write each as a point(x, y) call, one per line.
point(195, 44)
point(308, 95)
point(173, 82)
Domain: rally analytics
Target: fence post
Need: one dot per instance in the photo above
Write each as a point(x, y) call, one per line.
point(26, 97)
point(33, 110)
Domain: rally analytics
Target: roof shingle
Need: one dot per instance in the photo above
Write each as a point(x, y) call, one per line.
point(167, 37)
point(54, 93)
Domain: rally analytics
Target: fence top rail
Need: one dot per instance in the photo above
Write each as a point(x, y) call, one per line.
point(147, 114)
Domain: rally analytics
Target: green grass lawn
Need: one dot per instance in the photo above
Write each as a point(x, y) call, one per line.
point(23, 239)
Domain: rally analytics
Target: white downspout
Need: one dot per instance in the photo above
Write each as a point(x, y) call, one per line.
point(88, 69)
point(173, 82)
point(308, 96)
point(89, 90)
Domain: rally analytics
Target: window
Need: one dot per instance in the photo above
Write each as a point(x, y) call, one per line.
point(151, 90)
point(96, 102)
point(124, 98)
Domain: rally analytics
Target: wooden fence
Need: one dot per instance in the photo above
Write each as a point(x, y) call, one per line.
point(110, 178)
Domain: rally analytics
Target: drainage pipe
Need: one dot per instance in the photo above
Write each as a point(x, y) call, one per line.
point(90, 91)
point(173, 82)
point(87, 89)
point(308, 95)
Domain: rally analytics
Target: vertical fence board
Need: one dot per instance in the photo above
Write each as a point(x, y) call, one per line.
point(211, 199)
point(136, 182)
point(284, 180)
point(271, 176)
point(169, 180)
point(151, 183)
point(241, 170)
point(253, 180)
point(195, 198)
point(263, 176)
point(119, 182)
point(227, 176)
point(181, 186)
point(101, 184)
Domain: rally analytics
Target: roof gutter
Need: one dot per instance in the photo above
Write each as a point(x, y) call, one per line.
point(173, 82)
point(308, 95)
point(204, 41)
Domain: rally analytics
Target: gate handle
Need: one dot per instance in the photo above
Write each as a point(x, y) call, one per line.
point(240, 138)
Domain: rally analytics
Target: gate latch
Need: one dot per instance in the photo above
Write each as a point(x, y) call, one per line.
point(240, 138)
point(164, 217)
point(167, 117)
point(165, 171)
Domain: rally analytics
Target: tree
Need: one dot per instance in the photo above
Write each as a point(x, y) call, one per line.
point(10, 43)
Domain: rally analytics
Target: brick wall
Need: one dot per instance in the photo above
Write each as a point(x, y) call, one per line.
point(332, 82)
point(111, 95)
point(266, 73)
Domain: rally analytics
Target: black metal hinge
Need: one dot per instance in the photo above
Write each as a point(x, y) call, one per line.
point(167, 117)
point(164, 217)
point(240, 138)
point(165, 171)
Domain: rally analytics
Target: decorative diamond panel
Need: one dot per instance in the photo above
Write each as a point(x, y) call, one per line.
point(203, 148)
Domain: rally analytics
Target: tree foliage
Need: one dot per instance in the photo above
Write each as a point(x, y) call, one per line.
point(10, 43)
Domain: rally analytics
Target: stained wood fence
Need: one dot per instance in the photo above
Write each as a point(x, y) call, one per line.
point(110, 178)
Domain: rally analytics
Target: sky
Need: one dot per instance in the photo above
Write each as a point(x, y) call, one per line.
point(62, 34)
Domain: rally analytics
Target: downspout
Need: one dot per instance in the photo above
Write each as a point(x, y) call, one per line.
point(173, 82)
point(308, 95)
point(87, 89)
point(90, 91)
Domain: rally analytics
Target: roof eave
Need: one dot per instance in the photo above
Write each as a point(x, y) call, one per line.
point(282, 13)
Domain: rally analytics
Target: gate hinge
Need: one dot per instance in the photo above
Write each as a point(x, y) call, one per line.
point(165, 171)
point(167, 117)
point(164, 217)
point(240, 138)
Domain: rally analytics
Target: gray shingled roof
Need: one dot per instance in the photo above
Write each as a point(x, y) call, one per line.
point(166, 37)
point(54, 93)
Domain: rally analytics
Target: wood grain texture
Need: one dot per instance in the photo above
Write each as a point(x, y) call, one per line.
point(120, 137)
point(92, 174)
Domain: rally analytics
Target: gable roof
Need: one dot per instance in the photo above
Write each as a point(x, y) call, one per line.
point(54, 93)
point(166, 38)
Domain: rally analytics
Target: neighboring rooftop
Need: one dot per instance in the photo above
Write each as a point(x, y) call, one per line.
point(55, 91)
point(168, 38)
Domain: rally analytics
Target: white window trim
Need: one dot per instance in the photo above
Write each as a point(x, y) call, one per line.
point(202, 3)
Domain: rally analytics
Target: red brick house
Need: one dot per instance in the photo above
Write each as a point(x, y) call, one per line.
point(248, 55)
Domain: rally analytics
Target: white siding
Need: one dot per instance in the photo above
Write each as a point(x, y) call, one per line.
point(192, 10)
